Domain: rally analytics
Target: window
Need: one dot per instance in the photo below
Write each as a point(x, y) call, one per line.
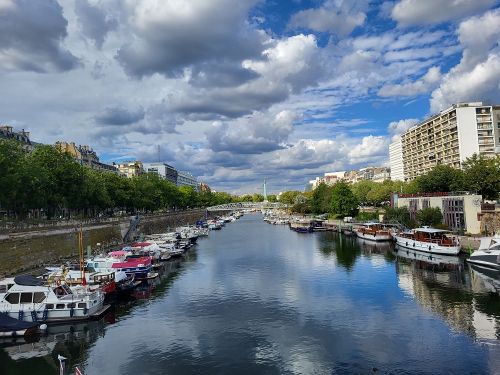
point(3, 288)
point(82, 305)
point(26, 297)
point(71, 305)
point(49, 306)
point(60, 306)
point(38, 297)
point(12, 298)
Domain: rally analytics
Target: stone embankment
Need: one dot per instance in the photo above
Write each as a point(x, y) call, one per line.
point(34, 246)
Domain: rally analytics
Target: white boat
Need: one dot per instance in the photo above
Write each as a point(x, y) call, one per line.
point(488, 253)
point(28, 298)
point(373, 232)
point(428, 240)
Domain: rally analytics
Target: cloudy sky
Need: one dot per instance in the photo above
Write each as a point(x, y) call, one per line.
point(236, 91)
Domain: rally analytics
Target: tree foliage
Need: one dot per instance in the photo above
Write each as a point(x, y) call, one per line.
point(442, 178)
point(482, 175)
point(53, 182)
point(429, 216)
point(343, 201)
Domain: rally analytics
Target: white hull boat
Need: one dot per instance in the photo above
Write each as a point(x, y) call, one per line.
point(428, 240)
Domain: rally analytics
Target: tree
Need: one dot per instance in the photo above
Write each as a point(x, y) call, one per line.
point(442, 178)
point(430, 216)
point(288, 197)
point(362, 189)
point(272, 198)
point(256, 197)
point(400, 215)
point(343, 201)
point(320, 200)
point(482, 175)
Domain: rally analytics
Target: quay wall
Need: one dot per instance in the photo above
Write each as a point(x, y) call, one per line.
point(28, 250)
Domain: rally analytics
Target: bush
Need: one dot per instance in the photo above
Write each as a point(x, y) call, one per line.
point(430, 216)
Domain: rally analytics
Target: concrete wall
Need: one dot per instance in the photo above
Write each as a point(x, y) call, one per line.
point(468, 142)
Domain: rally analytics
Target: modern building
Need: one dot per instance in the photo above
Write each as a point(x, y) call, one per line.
point(164, 170)
point(449, 138)
point(130, 168)
point(7, 132)
point(460, 212)
point(187, 179)
point(396, 161)
point(85, 156)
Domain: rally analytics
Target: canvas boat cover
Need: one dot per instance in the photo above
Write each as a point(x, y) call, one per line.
point(8, 324)
point(28, 280)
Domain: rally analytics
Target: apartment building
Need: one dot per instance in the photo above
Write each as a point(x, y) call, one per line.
point(187, 179)
point(7, 132)
point(449, 137)
point(130, 168)
point(396, 161)
point(85, 155)
point(164, 170)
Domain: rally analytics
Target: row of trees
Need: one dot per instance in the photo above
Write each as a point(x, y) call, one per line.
point(479, 175)
point(54, 183)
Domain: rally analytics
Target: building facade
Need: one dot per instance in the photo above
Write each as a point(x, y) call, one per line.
point(396, 161)
point(7, 132)
point(85, 156)
point(163, 170)
point(130, 168)
point(187, 179)
point(460, 212)
point(449, 138)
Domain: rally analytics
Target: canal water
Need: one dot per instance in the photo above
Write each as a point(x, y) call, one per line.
point(260, 299)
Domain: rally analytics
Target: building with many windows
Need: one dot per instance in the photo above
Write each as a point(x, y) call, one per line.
point(130, 168)
point(396, 161)
point(7, 132)
point(187, 179)
point(85, 156)
point(164, 170)
point(449, 138)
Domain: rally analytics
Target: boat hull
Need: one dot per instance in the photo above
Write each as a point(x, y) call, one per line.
point(373, 237)
point(486, 259)
point(426, 247)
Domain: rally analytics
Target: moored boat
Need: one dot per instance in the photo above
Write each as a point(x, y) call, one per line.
point(301, 226)
point(373, 232)
point(488, 253)
point(429, 240)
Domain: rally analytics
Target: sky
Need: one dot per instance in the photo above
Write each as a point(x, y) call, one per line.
point(238, 91)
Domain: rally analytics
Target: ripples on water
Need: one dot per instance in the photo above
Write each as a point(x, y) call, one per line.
point(256, 298)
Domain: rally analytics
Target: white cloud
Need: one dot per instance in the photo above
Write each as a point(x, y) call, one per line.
point(477, 75)
point(429, 81)
point(396, 128)
point(421, 12)
point(336, 17)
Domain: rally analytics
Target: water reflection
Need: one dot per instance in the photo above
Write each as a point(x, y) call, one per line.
point(257, 298)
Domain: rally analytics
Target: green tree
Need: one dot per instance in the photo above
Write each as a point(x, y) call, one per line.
point(257, 197)
point(482, 175)
point(320, 200)
point(272, 198)
point(288, 197)
point(362, 189)
point(343, 201)
point(442, 178)
point(430, 216)
point(400, 215)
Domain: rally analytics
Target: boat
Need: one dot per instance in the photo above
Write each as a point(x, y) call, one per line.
point(11, 327)
point(122, 261)
point(301, 226)
point(488, 253)
point(28, 298)
point(426, 239)
point(373, 232)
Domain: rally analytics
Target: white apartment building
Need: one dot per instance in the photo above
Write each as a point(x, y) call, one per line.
point(449, 137)
point(396, 161)
point(164, 170)
point(187, 179)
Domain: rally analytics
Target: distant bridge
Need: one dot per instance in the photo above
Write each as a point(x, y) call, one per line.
point(248, 206)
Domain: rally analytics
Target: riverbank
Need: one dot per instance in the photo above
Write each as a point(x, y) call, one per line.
point(25, 250)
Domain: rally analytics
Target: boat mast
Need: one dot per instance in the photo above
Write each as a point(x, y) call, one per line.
point(80, 253)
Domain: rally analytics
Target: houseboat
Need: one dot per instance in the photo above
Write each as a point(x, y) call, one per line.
point(373, 232)
point(28, 298)
point(430, 240)
point(301, 226)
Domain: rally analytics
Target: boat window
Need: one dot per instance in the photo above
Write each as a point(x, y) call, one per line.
point(60, 306)
point(3, 288)
point(49, 306)
point(82, 305)
point(71, 305)
point(26, 297)
point(12, 298)
point(38, 297)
